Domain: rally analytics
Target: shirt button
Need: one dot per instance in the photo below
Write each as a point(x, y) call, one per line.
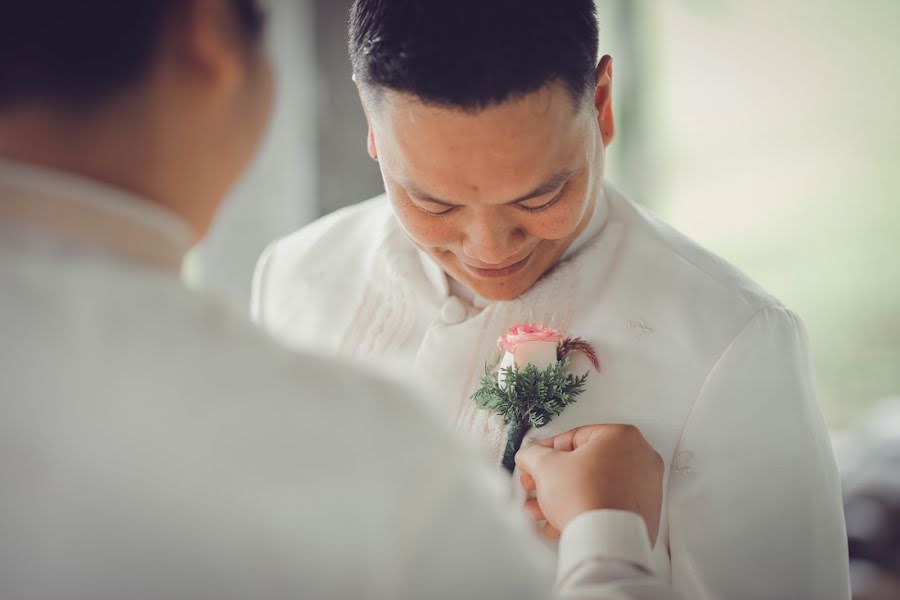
point(454, 312)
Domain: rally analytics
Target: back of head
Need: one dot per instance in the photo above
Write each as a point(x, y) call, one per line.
point(166, 99)
point(472, 54)
point(76, 54)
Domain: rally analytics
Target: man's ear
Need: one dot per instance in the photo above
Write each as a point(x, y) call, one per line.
point(204, 44)
point(603, 101)
point(370, 136)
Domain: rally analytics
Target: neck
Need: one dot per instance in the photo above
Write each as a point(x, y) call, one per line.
point(115, 149)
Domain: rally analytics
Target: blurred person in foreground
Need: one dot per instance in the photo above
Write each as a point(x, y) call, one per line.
point(490, 120)
point(153, 445)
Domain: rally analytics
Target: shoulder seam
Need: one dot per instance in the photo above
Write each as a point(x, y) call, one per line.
point(713, 368)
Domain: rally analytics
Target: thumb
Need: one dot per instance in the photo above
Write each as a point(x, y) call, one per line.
point(527, 458)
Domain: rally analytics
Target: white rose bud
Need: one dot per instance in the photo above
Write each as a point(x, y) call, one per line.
point(541, 354)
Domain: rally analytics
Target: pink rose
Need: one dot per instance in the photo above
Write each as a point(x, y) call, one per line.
point(521, 334)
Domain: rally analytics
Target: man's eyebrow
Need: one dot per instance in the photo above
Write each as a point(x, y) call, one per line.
point(550, 185)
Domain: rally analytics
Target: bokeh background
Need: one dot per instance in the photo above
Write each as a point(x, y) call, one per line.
point(767, 130)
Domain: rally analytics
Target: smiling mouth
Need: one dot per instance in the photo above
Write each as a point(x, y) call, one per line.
point(495, 273)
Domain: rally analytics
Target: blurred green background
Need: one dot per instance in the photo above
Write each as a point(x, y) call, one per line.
point(769, 132)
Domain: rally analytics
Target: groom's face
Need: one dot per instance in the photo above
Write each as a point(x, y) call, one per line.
point(494, 196)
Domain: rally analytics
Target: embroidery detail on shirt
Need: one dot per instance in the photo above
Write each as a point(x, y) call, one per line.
point(682, 462)
point(640, 327)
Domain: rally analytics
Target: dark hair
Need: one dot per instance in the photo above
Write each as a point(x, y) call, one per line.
point(472, 54)
point(77, 52)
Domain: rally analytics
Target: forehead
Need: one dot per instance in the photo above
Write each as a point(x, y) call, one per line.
point(499, 150)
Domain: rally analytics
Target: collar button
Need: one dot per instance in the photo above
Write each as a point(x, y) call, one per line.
point(454, 311)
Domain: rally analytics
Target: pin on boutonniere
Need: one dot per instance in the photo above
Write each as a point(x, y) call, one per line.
point(531, 383)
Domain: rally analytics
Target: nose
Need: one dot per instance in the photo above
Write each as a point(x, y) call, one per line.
point(490, 241)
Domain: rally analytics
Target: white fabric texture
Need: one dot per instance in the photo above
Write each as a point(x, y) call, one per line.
point(712, 369)
point(154, 446)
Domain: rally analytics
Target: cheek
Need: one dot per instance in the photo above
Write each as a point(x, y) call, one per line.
point(559, 222)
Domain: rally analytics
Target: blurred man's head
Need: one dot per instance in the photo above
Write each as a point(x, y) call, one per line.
point(168, 98)
point(489, 119)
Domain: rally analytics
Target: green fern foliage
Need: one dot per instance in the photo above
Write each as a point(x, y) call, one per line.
point(530, 395)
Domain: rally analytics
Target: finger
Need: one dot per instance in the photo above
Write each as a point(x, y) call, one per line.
point(545, 442)
point(528, 482)
point(527, 459)
point(621, 434)
point(563, 441)
point(585, 434)
point(550, 532)
point(534, 510)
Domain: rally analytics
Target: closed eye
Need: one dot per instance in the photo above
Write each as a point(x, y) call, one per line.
point(434, 209)
point(536, 206)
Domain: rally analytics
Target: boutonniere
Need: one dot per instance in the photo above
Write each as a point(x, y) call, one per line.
point(531, 383)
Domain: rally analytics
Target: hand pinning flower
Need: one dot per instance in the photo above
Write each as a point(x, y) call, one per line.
point(532, 383)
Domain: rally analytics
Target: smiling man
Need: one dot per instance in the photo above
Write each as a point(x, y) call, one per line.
point(490, 121)
point(495, 196)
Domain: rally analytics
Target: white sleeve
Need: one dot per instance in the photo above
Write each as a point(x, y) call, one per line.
point(606, 554)
point(755, 499)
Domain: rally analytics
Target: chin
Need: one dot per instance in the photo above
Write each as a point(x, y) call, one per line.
point(498, 292)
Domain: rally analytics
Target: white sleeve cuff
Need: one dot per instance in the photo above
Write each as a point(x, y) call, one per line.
point(614, 535)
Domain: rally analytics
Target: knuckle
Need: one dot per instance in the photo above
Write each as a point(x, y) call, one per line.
point(625, 432)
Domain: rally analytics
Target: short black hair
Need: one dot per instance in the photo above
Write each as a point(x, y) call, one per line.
point(74, 53)
point(472, 54)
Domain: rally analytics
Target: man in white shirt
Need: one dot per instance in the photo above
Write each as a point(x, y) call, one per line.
point(155, 446)
point(489, 122)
